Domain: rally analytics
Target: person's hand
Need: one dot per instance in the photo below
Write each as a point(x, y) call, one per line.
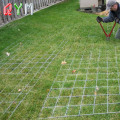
point(99, 19)
point(117, 20)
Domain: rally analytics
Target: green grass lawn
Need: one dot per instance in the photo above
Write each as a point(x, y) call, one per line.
point(33, 82)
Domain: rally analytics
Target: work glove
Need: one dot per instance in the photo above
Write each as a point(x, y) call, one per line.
point(117, 20)
point(99, 19)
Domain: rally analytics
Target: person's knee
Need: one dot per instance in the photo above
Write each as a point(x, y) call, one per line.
point(117, 36)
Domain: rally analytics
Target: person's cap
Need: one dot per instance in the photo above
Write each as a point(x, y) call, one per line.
point(110, 4)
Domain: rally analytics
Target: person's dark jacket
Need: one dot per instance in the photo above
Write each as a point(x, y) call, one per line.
point(113, 15)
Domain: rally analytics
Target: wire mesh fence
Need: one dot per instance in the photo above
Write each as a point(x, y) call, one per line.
point(94, 88)
point(44, 62)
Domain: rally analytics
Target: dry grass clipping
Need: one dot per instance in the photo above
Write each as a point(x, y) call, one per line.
point(105, 13)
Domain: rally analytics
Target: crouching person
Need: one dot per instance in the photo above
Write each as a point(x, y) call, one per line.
point(114, 15)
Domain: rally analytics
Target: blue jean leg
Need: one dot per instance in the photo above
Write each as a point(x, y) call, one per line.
point(117, 36)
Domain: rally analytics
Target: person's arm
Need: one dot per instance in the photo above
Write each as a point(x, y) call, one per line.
point(110, 18)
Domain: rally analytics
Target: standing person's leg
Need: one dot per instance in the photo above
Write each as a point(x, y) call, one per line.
point(118, 34)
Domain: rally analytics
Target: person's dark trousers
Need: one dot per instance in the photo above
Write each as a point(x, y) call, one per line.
point(117, 36)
